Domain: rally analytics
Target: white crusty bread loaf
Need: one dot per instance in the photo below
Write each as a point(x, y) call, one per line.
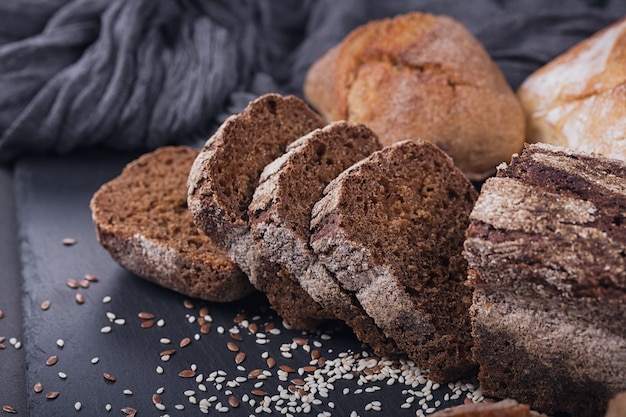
point(141, 218)
point(577, 99)
point(421, 76)
point(391, 229)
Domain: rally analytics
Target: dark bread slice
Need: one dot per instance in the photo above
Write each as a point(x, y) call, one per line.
point(391, 228)
point(221, 184)
point(547, 261)
point(141, 218)
point(280, 214)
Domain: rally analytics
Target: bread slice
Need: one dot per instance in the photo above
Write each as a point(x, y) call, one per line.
point(221, 184)
point(280, 215)
point(547, 261)
point(391, 228)
point(141, 218)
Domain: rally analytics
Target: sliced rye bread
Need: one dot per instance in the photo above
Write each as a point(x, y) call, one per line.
point(141, 218)
point(221, 184)
point(280, 215)
point(391, 228)
point(546, 251)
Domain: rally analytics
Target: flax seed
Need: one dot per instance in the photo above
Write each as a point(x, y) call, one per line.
point(253, 328)
point(300, 341)
point(233, 402)
point(38, 387)
point(45, 305)
point(187, 373)
point(236, 336)
point(205, 328)
point(184, 342)
point(147, 324)
point(91, 278)
point(72, 283)
point(271, 362)
point(129, 411)
point(258, 392)
point(108, 377)
point(168, 352)
point(286, 368)
point(80, 299)
point(145, 315)
point(52, 360)
point(188, 304)
point(240, 357)
point(83, 283)
point(9, 409)
point(52, 395)
point(232, 347)
point(156, 399)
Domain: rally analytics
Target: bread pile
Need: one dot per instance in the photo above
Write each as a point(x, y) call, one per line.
point(526, 281)
point(338, 229)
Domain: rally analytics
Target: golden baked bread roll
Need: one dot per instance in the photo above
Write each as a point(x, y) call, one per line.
point(578, 99)
point(421, 76)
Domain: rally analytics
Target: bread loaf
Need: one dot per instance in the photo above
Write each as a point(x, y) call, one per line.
point(222, 182)
point(421, 76)
point(546, 250)
point(577, 99)
point(504, 408)
point(141, 218)
point(280, 215)
point(391, 229)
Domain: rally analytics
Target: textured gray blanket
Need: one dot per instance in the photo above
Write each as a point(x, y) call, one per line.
point(137, 74)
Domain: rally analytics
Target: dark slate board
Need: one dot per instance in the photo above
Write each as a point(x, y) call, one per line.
point(52, 203)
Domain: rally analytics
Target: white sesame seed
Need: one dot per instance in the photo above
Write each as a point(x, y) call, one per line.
point(62, 375)
point(106, 299)
point(160, 390)
point(105, 329)
point(160, 323)
point(159, 406)
point(77, 405)
point(120, 322)
point(108, 407)
point(60, 343)
point(159, 370)
point(95, 360)
point(127, 392)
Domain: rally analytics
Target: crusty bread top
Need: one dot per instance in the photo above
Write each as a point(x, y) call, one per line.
point(421, 76)
point(141, 218)
point(575, 200)
point(504, 408)
point(577, 99)
point(225, 174)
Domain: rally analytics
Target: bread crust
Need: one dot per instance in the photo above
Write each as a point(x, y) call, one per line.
point(545, 250)
point(127, 210)
point(421, 76)
point(577, 99)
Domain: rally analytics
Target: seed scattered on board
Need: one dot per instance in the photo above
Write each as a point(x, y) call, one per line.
point(9, 409)
point(69, 241)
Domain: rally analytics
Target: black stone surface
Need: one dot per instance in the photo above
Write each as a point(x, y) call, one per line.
point(52, 203)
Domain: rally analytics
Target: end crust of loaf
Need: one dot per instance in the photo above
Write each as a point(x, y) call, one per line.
point(545, 250)
point(411, 285)
point(141, 218)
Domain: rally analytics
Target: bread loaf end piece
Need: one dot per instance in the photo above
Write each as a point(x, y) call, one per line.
point(141, 218)
point(546, 257)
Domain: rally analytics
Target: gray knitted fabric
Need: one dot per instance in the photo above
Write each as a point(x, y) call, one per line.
point(138, 74)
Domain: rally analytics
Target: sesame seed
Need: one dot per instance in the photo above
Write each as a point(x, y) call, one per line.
point(77, 405)
point(160, 323)
point(68, 241)
point(106, 299)
point(95, 360)
point(127, 392)
point(62, 375)
point(159, 370)
point(60, 343)
point(105, 329)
